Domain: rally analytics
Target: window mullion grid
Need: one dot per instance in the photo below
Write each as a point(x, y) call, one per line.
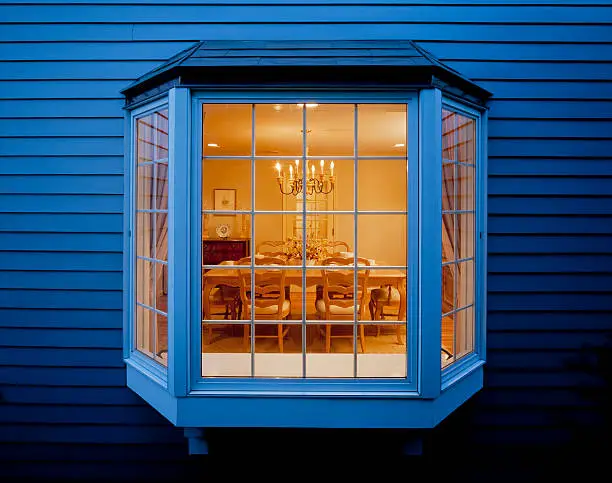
point(154, 236)
point(304, 286)
point(355, 240)
point(456, 240)
point(252, 255)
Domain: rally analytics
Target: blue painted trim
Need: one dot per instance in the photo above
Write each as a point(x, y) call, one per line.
point(152, 392)
point(288, 386)
point(129, 241)
point(413, 330)
point(324, 411)
point(178, 240)
point(430, 240)
point(452, 372)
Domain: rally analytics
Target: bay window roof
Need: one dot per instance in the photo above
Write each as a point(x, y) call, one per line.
point(306, 62)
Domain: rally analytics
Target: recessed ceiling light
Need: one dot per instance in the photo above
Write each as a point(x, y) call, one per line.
point(277, 107)
point(399, 145)
point(212, 145)
point(308, 105)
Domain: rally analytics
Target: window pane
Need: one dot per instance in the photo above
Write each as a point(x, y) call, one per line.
point(144, 282)
point(161, 287)
point(330, 130)
point(449, 275)
point(145, 326)
point(227, 129)
point(268, 195)
point(382, 239)
point(144, 187)
point(161, 236)
point(448, 238)
point(448, 186)
point(161, 338)
point(278, 130)
point(151, 233)
point(233, 174)
point(465, 285)
point(465, 188)
point(465, 332)
point(382, 129)
point(144, 234)
point(161, 186)
point(465, 235)
point(382, 185)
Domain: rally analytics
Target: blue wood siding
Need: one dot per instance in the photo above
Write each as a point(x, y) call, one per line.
point(62, 383)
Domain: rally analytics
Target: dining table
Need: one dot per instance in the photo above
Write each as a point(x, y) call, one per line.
point(376, 278)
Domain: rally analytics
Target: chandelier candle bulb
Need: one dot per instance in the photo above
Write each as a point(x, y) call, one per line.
point(312, 170)
point(331, 167)
point(290, 172)
point(322, 166)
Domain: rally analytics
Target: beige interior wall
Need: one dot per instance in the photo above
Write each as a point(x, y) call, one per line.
point(381, 186)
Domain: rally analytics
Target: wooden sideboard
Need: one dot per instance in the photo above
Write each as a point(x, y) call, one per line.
point(216, 250)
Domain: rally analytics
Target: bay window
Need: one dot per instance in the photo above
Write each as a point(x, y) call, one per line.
point(319, 244)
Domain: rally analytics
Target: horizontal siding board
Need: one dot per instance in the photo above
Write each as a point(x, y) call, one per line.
point(94, 452)
point(546, 321)
point(545, 263)
point(527, 379)
point(78, 338)
point(66, 89)
point(533, 397)
point(63, 376)
point(58, 165)
point(511, 52)
point(550, 167)
point(82, 396)
point(67, 146)
point(533, 70)
point(528, 243)
point(505, 14)
point(61, 108)
point(74, 242)
point(193, 31)
point(88, 127)
point(58, 203)
point(61, 357)
point(62, 184)
point(539, 284)
point(61, 299)
point(525, 205)
point(562, 185)
point(546, 302)
point(557, 360)
point(40, 414)
point(60, 223)
point(61, 281)
point(565, 148)
point(69, 318)
point(71, 70)
point(550, 224)
point(548, 89)
point(525, 128)
point(61, 261)
point(554, 109)
point(82, 433)
point(144, 52)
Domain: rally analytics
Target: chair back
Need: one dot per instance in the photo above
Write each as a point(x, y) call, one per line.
point(339, 284)
point(268, 288)
point(271, 248)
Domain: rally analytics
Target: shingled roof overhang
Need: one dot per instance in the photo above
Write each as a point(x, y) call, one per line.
point(379, 64)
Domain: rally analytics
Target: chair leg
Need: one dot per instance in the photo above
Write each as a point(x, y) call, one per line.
point(280, 337)
point(327, 337)
point(245, 339)
point(362, 337)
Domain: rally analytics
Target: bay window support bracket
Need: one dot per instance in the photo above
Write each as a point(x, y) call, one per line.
point(197, 441)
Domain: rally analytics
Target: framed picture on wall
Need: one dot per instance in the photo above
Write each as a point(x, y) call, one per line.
point(224, 199)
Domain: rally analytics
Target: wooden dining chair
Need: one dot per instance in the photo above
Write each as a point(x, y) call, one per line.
point(223, 300)
point(339, 294)
point(264, 296)
point(386, 302)
point(271, 248)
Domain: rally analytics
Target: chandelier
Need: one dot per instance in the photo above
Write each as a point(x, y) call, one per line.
point(320, 183)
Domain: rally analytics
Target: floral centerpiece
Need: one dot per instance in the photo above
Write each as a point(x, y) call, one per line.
point(316, 248)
